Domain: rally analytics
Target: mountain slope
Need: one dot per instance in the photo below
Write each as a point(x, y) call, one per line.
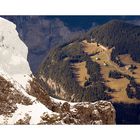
point(108, 42)
point(17, 105)
point(15, 74)
point(35, 106)
point(101, 75)
point(24, 101)
point(59, 73)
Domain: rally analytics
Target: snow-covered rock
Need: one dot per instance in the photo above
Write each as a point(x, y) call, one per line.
point(13, 53)
point(18, 106)
point(15, 72)
point(100, 112)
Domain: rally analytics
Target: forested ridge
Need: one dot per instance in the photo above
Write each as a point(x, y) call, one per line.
point(58, 67)
point(124, 37)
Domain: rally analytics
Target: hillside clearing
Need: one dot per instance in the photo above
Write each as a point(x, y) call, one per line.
point(80, 71)
point(102, 57)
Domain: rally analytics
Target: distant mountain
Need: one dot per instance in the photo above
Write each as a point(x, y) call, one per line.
point(41, 34)
point(121, 37)
point(66, 63)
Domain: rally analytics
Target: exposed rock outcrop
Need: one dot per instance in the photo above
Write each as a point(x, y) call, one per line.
point(100, 112)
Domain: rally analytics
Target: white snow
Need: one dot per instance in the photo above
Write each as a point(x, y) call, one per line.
point(16, 60)
point(35, 111)
point(23, 79)
point(63, 101)
point(13, 53)
point(57, 100)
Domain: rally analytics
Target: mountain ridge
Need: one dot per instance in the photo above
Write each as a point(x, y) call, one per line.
point(124, 37)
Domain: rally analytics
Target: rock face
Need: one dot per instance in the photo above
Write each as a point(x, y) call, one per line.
point(100, 112)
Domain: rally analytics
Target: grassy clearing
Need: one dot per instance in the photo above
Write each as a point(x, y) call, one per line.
point(102, 57)
point(126, 59)
point(91, 48)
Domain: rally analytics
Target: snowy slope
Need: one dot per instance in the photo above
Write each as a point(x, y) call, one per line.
point(34, 111)
point(15, 69)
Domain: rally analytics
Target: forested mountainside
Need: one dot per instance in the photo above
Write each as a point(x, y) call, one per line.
point(58, 66)
point(123, 37)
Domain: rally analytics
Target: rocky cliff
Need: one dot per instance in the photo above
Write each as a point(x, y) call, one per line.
point(100, 112)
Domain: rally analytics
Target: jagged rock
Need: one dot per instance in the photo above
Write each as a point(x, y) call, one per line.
point(24, 121)
point(100, 112)
point(65, 107)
